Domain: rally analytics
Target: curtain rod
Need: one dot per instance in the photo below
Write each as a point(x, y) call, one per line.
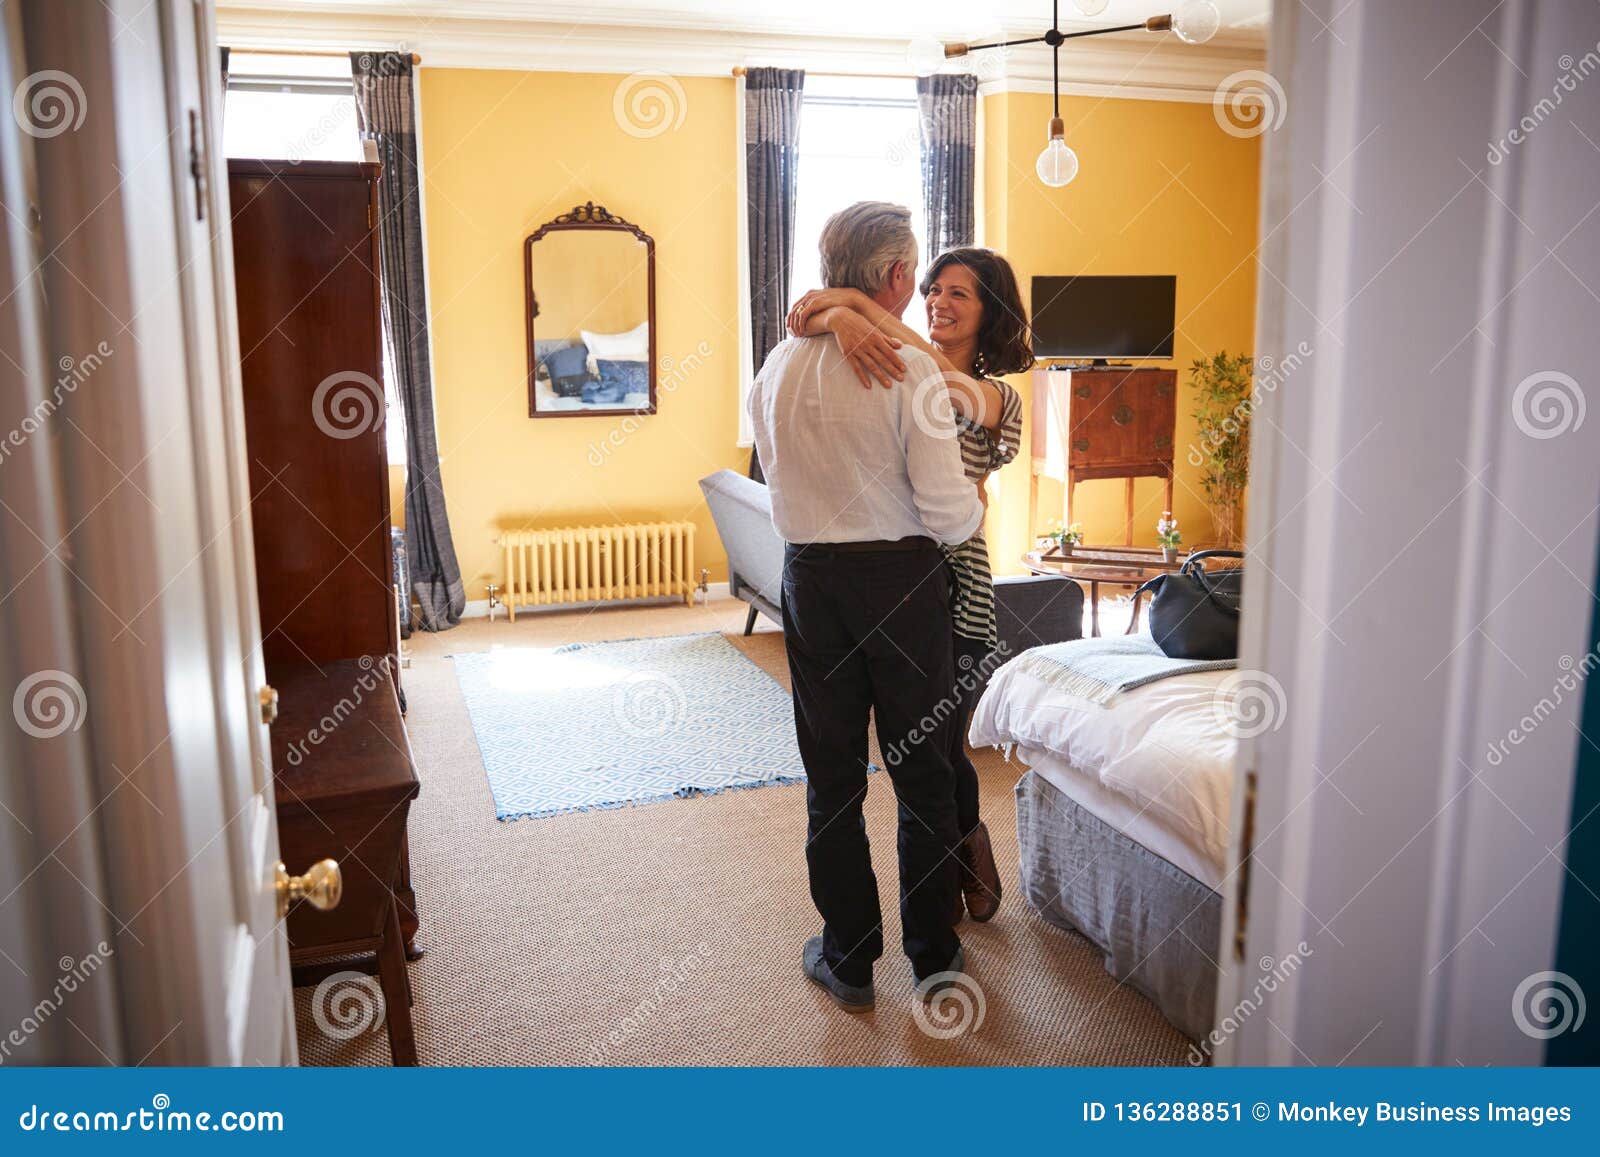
point(415, 58)
point(741, 70)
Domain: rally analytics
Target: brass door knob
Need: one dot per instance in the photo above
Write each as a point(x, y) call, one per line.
point(269, 705)
point(322, 887)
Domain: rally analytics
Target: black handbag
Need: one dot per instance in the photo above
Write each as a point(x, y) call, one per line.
point(1193, 614)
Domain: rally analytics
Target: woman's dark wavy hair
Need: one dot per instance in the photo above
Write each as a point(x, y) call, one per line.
point(1005, 341)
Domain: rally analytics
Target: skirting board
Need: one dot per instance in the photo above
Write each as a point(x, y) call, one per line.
point(479, 608)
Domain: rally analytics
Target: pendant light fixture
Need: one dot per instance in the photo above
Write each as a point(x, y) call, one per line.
point(1194, 22)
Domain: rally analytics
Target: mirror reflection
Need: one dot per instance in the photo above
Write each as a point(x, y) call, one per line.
point(590, 312)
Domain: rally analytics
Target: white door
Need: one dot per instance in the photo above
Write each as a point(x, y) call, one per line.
point(150, 549)
point(1423, 530)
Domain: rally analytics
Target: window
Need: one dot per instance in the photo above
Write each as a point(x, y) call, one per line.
point(858, 142)
point(292, 108)
point(302, 108)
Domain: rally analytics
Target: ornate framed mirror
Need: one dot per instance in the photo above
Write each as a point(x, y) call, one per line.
point(590, 282)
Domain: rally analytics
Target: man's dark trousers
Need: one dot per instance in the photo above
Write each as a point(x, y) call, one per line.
point(868, 631)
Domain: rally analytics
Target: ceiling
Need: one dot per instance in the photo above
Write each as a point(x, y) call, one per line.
point(707, 37)
point(1242, 20)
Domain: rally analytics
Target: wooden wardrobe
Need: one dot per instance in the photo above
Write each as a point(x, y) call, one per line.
point(305, 252)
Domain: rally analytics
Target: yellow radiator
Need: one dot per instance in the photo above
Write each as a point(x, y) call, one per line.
point(587, 564)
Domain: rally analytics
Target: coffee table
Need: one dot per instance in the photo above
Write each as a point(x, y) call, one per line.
point(1111, 565)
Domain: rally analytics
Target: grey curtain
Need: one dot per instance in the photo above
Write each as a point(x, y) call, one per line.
point(947, 108)
point(223, 53)
point(772, 153)
point(771, 148)
point(383, 115)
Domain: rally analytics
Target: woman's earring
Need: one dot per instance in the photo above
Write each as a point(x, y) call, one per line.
point(980, 366)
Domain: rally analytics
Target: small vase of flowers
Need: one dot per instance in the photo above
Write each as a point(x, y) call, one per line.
point(1167, 534)
point(1066, 537)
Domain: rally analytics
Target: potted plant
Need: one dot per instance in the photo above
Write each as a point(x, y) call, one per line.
point(1167, 534)
point(1221, 449)
point(1065, 538)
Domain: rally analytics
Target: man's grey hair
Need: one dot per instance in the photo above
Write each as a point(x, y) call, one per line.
point(860, 245)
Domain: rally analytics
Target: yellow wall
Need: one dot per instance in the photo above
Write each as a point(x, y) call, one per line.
point(595, 281)
point(504, 152)
point(397, 496)
point(1161, 190)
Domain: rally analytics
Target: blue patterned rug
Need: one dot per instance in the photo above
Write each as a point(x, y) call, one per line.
point(604, 725)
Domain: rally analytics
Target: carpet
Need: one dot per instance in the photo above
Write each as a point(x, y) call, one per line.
point(605, 725)
point(671, 934)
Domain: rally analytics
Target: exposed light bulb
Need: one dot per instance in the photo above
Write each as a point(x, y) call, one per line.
point(1057, 164)
point(1090, 7)
point(1196, 21)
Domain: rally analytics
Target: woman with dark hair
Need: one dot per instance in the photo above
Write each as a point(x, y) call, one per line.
point(978, 330)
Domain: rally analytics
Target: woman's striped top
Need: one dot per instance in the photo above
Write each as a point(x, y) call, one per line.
point(972, 592)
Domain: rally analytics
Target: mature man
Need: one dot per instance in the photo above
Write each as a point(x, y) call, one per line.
point(865, 485)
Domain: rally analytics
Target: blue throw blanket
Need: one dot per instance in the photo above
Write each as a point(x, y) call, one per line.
point(1100, 669)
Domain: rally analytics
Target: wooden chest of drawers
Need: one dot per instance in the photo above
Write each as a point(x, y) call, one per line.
point(1105, 423)
point(1121, 418)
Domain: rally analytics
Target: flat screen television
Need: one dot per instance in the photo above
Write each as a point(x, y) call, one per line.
point(1100, 318)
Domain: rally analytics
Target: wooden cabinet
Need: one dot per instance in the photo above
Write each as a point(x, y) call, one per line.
point(305, 256)
point(305, 253)
point(1121, 418)
point(1104, 423)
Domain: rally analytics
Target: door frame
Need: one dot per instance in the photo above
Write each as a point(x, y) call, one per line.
point(141, 608)
point(49, 854)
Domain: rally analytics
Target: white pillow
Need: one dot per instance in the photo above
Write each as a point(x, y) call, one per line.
point(633, 346)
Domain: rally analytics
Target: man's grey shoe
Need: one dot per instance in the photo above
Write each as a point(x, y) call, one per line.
point(847, 996)
point(931, 986)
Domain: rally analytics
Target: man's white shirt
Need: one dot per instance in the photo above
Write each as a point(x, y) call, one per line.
point(848, 464)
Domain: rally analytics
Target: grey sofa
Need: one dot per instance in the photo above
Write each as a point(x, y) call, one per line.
point(742, 510)
point(1031, 610)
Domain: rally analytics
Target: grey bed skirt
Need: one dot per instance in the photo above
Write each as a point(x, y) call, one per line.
point(1158, 926)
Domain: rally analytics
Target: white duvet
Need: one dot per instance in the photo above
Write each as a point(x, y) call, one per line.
point(1161, 748)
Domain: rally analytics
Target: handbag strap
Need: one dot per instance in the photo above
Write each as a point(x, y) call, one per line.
point(1199, 574)
point(1198, 555)
point(1206, 580)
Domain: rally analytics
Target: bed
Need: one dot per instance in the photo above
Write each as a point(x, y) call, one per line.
point(1122, 822)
